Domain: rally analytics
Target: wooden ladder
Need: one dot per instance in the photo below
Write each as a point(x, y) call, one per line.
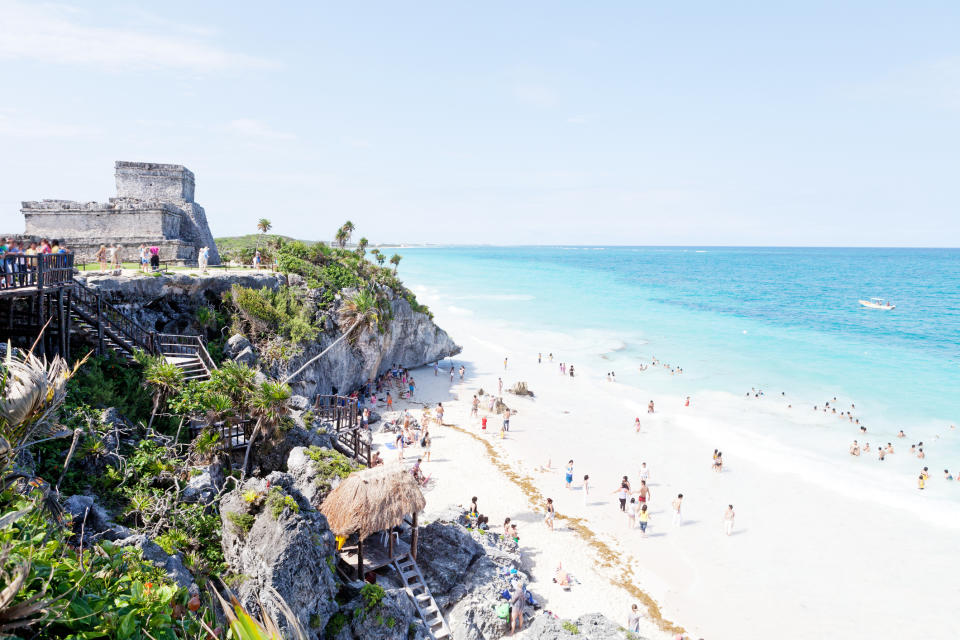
point(422, 598)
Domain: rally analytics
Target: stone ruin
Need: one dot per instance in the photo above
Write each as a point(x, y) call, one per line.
point(154, 206)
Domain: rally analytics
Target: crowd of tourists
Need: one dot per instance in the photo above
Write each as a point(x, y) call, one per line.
point(16, 264)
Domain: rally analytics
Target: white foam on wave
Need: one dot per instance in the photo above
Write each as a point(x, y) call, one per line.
point(460, 311)
point(508, 297)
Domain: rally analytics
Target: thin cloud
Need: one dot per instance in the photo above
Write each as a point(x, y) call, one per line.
point(250, 128)
point(55, 34)
point(14, 126)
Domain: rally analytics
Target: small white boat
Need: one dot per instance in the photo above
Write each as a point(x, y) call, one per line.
point(878, 303)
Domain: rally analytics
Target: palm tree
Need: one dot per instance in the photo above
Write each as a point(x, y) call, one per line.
point(381, 257)
point(395, 261)
point(361, 311)
point(164, 378)
point(263, 225)
point(269, 407)
point(236, 380)
point(341, 237)
point(362, 247)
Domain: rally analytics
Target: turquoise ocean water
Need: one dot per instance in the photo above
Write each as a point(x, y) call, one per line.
point(779, 319)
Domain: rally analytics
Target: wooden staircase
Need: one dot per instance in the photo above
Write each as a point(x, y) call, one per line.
point(422, 599)
point(112, 328)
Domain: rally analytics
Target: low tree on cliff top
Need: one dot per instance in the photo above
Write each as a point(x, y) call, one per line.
point(163, 378)
point(395, 261)
point(361, 312)
point(362, 247)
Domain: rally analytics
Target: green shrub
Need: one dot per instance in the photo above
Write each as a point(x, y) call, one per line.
point(277, 501)
point(335, 625)
point(372, 595)
point(330, 464)
point(242, 521)
point(569, 627)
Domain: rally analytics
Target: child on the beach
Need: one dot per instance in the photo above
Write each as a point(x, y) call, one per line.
point(548, 518)
point(569, 476)
point(644, 520)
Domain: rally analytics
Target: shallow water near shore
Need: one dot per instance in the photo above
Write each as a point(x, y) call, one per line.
point(783, 320)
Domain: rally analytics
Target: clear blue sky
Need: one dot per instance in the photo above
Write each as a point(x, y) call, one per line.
point(801, 123)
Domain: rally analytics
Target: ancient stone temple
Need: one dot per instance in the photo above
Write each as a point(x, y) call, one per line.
point(154, 206)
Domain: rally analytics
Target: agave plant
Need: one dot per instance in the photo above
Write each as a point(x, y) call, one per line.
point(31, 391)
point(244, 626)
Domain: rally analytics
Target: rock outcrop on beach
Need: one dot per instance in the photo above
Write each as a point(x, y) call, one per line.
point(590, 626)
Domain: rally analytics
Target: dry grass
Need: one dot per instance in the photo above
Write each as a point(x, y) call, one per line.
point(604, 552)
point(372, 500)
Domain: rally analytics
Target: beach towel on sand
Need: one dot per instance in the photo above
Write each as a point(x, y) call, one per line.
point(503, 611)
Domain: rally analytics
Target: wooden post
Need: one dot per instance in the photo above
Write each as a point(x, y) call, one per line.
point(359, 556)
point(390, 537)
point(69, 322)
point(99, 326)
point(62, 322)
point(414, 536)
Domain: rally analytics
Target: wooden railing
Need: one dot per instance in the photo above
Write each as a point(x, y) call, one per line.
point(36, 271)
point(234, 434)
point(341, 411)
point(356, 441)
point(172, 344)
point(120, 327)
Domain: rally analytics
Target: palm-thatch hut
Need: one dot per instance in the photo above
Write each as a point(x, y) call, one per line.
point(373, 500)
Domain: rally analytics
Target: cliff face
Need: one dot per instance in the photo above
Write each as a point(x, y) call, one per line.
point(168, 303)
point(410, 339)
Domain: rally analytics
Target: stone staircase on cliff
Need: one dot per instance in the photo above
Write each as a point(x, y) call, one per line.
point(419, 593)
point(112, 329)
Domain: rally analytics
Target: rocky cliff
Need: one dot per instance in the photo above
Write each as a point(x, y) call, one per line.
point(168, 303)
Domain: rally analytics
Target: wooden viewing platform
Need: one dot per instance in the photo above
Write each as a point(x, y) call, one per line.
point(375, 555)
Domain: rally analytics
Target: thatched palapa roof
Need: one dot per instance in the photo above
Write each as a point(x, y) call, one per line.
point(372, 500)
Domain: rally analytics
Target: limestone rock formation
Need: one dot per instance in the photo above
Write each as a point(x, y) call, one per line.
point(289, 549)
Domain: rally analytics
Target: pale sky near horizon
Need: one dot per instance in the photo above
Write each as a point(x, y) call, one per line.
point(787, 123)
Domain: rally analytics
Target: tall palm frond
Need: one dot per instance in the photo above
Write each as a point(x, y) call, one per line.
point(269, 406)
point(163, 378)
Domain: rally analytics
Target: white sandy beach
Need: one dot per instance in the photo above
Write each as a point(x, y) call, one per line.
point(810, 557)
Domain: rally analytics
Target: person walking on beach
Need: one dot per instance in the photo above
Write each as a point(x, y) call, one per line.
point(439, 413)
point(622, 492)
point(650, 407)
point(632, 514)
point(644, 492)
point(451, 373)
point(644, 519)
point(463, 370)
point(474, 406)
point(633, 620)
point(687, 403)
point(586, 488)
point(539, 358)
point(569, 476)
point(499, 386)
point(483, 423)
point(436, 368)
point(548, 518)
point(677, 503)
point(728, 520)
point(644, 472)
point(506, 420)
point(636, 424)
point(425, 443)
point(504, 364)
